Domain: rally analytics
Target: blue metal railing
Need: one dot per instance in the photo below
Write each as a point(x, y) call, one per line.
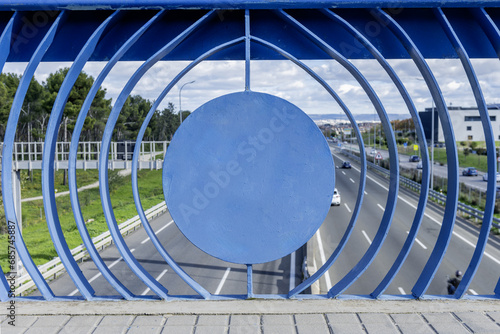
point(114, 31)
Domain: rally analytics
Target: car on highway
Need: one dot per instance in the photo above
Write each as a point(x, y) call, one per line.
point(469, 171)
point(346, 164)
point(335, 198)
point(485, 177)
point(419, 165)
point(414, 158)
point(373, 152)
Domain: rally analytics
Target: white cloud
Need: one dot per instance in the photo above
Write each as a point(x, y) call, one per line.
point(288, 81)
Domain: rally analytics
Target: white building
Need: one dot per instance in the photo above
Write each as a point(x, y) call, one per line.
point(466, 123)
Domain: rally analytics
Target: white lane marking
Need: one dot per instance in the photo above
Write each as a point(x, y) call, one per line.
point(292, 271)
point(157, 278)
point(401, 291)
point(343, 172)
point(161, 229)
point(418, 241)
point(488, 255)
point(347, 207)
point(352, 180)
point(222, 281)
point(473, 292)
point(366, 236)
point(381, 207)
point(366, 193)
point(99, 274)
point(323, 260)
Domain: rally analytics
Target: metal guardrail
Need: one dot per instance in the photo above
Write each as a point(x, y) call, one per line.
point(434, 195)
point(55, 267)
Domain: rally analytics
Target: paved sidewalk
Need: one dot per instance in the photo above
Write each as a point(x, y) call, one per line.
point(275, 317)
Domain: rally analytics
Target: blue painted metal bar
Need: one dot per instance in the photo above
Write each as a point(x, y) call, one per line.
point(103, 162)
point(250, 293)
point(422, 202)
point(308, 282)
point(73, 188)
point(5, 39)
point(488, 26)
point(247, 50)
point(10, 213)
point(239, 4)
point(490, 147)
point(372, 251)
point(135, 187)
point(443, 239)
point(49, 198)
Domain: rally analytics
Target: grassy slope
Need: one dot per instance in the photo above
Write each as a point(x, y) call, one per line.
point(35, 230)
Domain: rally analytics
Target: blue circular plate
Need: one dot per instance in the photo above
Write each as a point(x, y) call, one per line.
point(248, 178)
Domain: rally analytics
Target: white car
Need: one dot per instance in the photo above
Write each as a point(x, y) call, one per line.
point(336, 197)
point(485, 177)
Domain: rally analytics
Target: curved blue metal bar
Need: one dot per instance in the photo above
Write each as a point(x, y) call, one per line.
point(135, 188)
point(379, 238)
point(73, 188)
point(305, 284)
point(49, 198)
point(308, 282)
point(489, 27)
point(422, 202)
point(5, 39)
point(10, 213)
point(445, 233)
point(103, 159)
point(490, 147)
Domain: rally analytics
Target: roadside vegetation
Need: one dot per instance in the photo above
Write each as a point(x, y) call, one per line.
point(35, 231)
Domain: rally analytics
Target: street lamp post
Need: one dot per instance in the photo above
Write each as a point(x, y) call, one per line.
point(180, 106)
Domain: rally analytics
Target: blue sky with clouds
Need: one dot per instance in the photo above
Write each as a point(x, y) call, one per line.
point(284, 79)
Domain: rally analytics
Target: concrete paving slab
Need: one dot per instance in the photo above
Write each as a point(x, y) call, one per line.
point(43, 330)
point(212, 320)
point(310, 319)
point(116, 321)
point(79, 321)
point(110, 329)
point(415, 328)
point(406, 318)
point(347, 328)
point(495, 316)
point(144, 329)
point(439, 318)
point(245, 320)
point(14, 330)
point(449, 328)
point(51, 321)
point(178, 330)
point(276, 320)
point(342, 318)
point(381, 328)
point(478, 322)
point(375, 318)
point(23, 321)
point(148, 320)
point(77, 330)
point(180, 320)
point(316, 329)
point(211, 330)
point(281, 329)
point(246, 329)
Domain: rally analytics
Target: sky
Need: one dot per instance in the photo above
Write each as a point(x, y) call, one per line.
point(284, 79)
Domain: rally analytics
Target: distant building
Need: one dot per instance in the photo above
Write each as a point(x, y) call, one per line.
point(466, 123)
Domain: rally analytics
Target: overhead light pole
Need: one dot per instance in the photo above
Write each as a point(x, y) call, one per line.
point(180, 106)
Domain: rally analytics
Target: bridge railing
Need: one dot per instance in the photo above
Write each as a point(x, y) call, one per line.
point(29, 155)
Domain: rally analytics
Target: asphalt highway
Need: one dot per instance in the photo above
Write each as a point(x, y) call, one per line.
point(278, 277)
point(457, 257)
